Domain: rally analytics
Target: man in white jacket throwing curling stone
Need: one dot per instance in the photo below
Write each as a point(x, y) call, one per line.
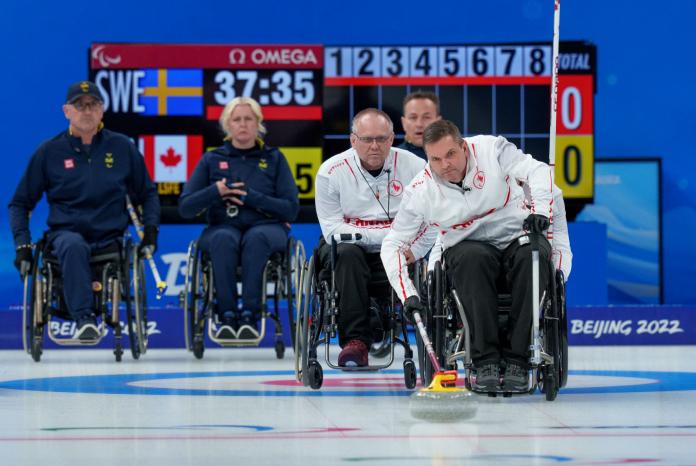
point(467, 192)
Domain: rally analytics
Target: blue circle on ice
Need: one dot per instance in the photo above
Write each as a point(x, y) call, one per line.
point(580, 382)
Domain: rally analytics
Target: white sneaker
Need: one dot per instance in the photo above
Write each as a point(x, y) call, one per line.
point(247, 332)
point(225, 332)
point(87, 332)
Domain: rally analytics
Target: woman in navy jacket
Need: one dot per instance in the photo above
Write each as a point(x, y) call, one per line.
point(249, 195)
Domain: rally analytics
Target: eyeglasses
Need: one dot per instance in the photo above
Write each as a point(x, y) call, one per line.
point(369, 139)
point(81, 106)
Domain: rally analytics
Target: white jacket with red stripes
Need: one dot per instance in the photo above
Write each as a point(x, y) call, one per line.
point(350, 200)
point(557, 234)
point(488, 207)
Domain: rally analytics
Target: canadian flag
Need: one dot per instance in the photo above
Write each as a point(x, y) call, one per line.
point(171, 158)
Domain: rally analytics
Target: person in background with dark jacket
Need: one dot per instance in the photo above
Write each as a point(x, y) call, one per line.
point(86, 173)
point(420, 109)
point(249, 194)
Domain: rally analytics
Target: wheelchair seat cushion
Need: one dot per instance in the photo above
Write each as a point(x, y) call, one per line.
point(107, 253)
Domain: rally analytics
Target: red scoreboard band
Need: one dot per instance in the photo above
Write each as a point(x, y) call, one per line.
point(125, 56)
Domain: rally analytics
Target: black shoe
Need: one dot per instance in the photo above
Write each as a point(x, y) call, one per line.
point(516, 378)
point(227, 329)
point(487, 377)
point(87, 329)
point(247, 327)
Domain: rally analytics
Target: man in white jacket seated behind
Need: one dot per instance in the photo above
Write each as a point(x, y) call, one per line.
point(469, 192)
point(359, 191)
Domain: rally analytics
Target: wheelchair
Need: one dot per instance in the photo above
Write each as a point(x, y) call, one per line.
point(317, 323)
point(118, 276)
point(449, 331)
point(198, 297)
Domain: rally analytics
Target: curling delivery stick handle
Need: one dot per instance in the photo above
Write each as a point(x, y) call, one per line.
point(134, 218)
point(161, 284)
point(426, 341)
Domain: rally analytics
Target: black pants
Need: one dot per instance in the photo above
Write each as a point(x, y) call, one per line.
point(355, 269)
point(474, 268)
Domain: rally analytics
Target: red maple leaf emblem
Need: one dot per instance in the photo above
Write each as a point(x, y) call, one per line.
point(395, 188)
point(171, 158)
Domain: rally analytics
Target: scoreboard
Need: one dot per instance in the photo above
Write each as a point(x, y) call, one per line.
point(500, 89)
point(168, 98)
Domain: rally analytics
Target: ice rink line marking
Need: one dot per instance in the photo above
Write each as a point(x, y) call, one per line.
point(124, 384)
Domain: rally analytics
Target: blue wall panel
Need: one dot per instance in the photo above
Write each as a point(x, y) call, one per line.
point(645, 103)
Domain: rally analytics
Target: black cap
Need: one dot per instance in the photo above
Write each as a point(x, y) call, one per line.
point(81, 88)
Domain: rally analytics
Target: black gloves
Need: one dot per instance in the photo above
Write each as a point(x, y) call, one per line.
point(412, 304)
point(536, 223)
point(149, 240)
point(23, 258)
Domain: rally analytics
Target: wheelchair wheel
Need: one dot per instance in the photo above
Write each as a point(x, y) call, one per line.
point(198, 296)
point(139, 301)
point(563, 330)
point(115, 290)
point(279, 349)
point(36, 349)
point(27, 307)
point(426, 367)
point(409, 374)
point(294, 268)
point(187, 296)
point(136, 306)
point(315, 375)
point(29, 303)
point(435, 321)
point(33, 308)
point(301, 349)
point(549, 383)
point(128, 294)
point(198, 347)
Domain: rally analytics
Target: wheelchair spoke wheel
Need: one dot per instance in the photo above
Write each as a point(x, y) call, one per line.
point(128, 296)
point(563, 330)
point(201, 299)
point(136, 304)
point(27, 306)
point(197, 287)
point(32, 301)
point(187, 297)
point(140, 301)
point(294, 275)
point(302, 323)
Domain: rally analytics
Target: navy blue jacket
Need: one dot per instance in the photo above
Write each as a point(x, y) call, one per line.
point(86, 193)
point(419, 151)
point(271, 189)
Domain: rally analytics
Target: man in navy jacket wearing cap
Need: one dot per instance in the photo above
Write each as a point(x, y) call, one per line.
point(86, 173)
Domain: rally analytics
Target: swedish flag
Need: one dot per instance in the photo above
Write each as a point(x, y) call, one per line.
point(172, 92)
